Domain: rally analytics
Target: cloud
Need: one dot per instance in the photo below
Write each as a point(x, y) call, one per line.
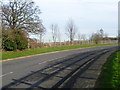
point(100, 1)
point(60, 1)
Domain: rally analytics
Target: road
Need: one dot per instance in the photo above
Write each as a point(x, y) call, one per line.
point(53, 70)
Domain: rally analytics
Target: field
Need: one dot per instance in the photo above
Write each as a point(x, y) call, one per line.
point(15, 54)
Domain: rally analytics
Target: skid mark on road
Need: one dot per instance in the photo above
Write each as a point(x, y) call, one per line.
point(49, 60)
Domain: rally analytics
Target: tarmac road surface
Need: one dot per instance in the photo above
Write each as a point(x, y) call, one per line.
point(66, 69)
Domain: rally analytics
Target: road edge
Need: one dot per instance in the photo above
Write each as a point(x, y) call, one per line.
point(45, 53)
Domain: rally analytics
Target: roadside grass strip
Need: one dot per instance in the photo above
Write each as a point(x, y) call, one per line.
point(15, 54)
point(110, 75)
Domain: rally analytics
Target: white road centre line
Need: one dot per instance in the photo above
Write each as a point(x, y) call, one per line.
point(6, 74)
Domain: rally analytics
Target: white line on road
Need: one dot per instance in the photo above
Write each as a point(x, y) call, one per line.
point(6, 74)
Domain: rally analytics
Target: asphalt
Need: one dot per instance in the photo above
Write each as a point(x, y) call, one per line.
point(19, 68)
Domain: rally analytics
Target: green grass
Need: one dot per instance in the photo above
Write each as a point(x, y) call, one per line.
point(110, 75)
point(15, 54)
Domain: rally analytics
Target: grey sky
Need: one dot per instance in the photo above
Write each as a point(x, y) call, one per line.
point(88, 15)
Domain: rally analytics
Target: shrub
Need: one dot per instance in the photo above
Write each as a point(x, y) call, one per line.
point(14, 39)
point(21, 42)
point(9, 45)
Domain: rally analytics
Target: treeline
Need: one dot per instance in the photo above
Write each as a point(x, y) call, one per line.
point(20, 18)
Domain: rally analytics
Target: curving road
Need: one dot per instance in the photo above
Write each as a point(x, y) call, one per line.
point(67, 69)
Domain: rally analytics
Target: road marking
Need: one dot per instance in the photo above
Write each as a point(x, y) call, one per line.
point(6, 74)
point(50, 60)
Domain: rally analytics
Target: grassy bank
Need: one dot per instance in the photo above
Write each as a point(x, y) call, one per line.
point(110, 75)
point(15, 54)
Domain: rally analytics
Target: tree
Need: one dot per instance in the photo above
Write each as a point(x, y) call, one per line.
point(20, 16)
point(79, 37)
point(83, 37)
point(71, 30)
point(59, 36)
point(99, 36)
point(41, 33)
point(96, 38)
point(101, 33)
point(55, 30)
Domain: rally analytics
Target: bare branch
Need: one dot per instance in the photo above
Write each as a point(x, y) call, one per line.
point(71, 30)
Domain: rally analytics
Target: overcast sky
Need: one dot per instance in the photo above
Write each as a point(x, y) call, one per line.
point(88, 15)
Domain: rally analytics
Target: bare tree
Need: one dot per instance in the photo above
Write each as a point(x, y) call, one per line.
point(79, 37)
point(99, 36)
point(71, 30)
point(41, 33)
point(20, 15)
point(101, 33)
point(90, 39)
point(96, 38)
point(55, 29)
point(59, 36)
point(83, 37)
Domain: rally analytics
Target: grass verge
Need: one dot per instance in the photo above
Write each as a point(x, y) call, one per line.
point(110, 75)
point(15, 54)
